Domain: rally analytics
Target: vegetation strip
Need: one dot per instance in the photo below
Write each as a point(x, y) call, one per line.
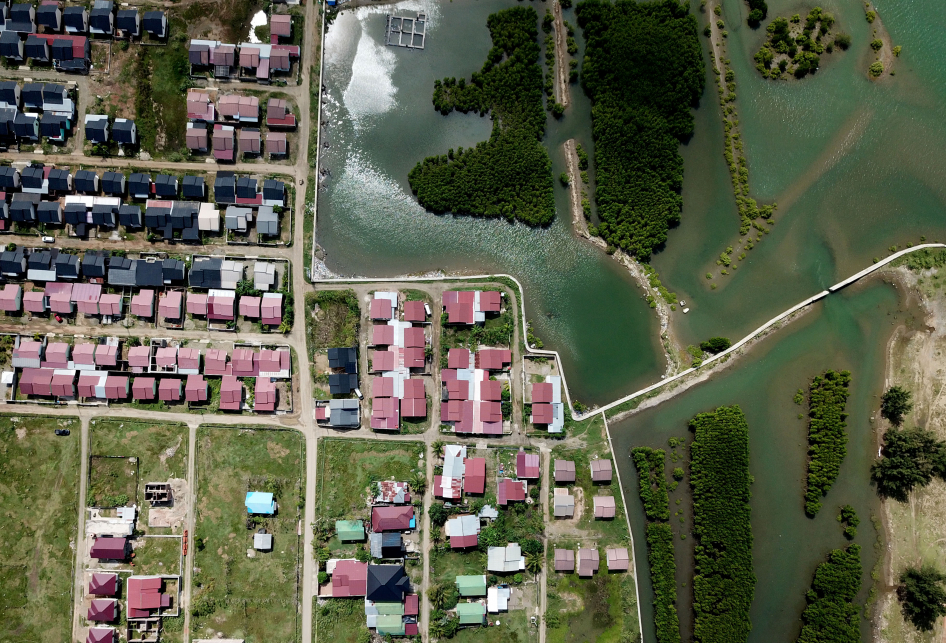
point(510, 175)
point(831, 614)
point(723, 582)
point(650, 465)
point(643, 71)
point(827, 440)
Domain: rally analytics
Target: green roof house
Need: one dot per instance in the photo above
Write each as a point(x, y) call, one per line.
point(471, 613)
point(390, 609)
point(350, 530)
point(393, 625)
point(471, 585)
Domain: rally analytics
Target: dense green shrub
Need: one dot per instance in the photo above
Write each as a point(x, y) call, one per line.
point(510, 175)
point(831, 614)
point(643, 71)
point(663, 571)
point(849, 521)
point(653, 482)
point(921, 595)
point(723, 582)
point(758, 10)
point(909, 458)
point(827, 439)
point(715, 344)
point(895, 403)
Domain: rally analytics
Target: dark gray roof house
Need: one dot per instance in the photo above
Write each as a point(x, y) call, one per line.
point(173, 271)
point(113, 183)
point(9, 178)
point(93, 264)
point(342, 383)
point(246, 188)
point(9, 93)
point(75, 19)
point(130, 216)
point(125, 132)
point(121, 271)
point(22, 211)
point(86, 181)
point(75, 214)
point(26, 126)
point(103, 214)
point(60, 180)
point(128, 21)
point(22, 19)
point(36, 48)
point(32, 95)
point(102, 17)
point(49, 212)
point(205, 272)
point(139, 185)
point(165, 186)
point(225, 187)
point(67, 266)
point(155, 23)
point(193, 187)
point(344, 413)
point(96, 128)
point(387, 584)
point(10, 45)
point(344, 358)
point(274, 192)
point(7, 118)
point(31, 178)
point(13, 262)
point(53, 126)
point(49, 16)
point(149, 273)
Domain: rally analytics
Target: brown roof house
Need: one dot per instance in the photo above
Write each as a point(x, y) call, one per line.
point(601, 471)
point(277, 144)
point(392, 518)
point(564, 560)
point(103, 584)
point(564, 471)
point(278, 114)
point(605, 507)
point(196, 137)
point(280, 25)
point(618, 559)
point(587, 562)
point(249, 140)
point(224, 141)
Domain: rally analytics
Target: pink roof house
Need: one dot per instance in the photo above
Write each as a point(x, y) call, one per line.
point(188, 360)
point(414, 338)
point(34, 302)
point(264, 397)
point(169, 389)
point(385, 413)
point(11, 297)
point(458, 358)
point(103, 610)
point(142, 304)
point(101, 635)
point(110, 305)
point(231, 393)
point(271, 310)
point(383, 361)
point(215, 362)
point(199, 105)
point(414, 358)
point(36, 381)
point(139, 358)
point(83, 355)
point(197, 304)
point(57, 355)
point(60, 297)
point(220, 305)
point(381, 309)
point(28, 354)
point(103, 584)
point(143, 388)
point(86, 298)
point(196, 389)
point(169, 306)
point(382, 387)
point(244, 362)
point(63, 383)
point(91, 385)
point(414, 311)
point(249, 307)
point(280, 25)
point(116, 387)
point(224, 142)
point(276, 143)
point(166, 357)
point(106, 355)
point(382, 335)
point(272, 362)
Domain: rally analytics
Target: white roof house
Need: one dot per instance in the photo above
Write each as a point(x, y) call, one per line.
point(497, 599)
point(505, 559)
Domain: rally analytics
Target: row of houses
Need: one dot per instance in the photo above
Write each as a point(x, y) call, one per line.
point(247, 60)
point(145, 598)
point(226, 141)
point(48, 110)
point(471, 396)
point(237, 108)
point(101, 128)
point(102, 20)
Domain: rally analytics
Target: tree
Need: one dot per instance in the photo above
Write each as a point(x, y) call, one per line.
point(876, 69)
point(922, 597)
point(715, 345)
point(896, 403)
point(533, 563)
point(437, 595)
point(897, 50)
point(842, 40)
point(439, 514)
point(418, 483)
point(563, 177)
point(910, 458)
point(876, 44)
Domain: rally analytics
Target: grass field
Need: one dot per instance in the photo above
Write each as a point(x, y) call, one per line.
point(113, 482)
point(446, 566)
point(601, 609)
point(161, 450)
point(158, 556)
point(513, 628)
point(340, 621)
point(39, 483)
point(255, 599)
point(347, 467)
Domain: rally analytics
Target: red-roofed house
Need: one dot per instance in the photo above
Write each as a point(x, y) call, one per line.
point(103, 610)
point(116, 387)
point(349, 578)
point(101, 635)
point(169, 390)
point(414, 337)
point(491, 390)
point(264, 396)
point(106, 548)
point(220, 305)
point(188, 360)
point(453, 490)
point(510, 491)
point(277, 144)
point(272, 362)
point(60, 297)
point(414, 358)
point(414, 311)
point(196, 389)
point(381, 309)
point(57, 355)
point(231, 393)
point(382, 387)
point(139, 358)
point(83, 355)
point(411, 608)
point(382, 335)
point(459, 306)
point(144, 388)
point(249, 306)
point(244, 362)
point(384, 414)
point(474, 478)
point(142, 304)
point(527, 465)
point(458, 358)
point(493, 359)
point(490, 301)
point(542, 393)
point(63, 384)
point(215, 362)
point(458, 390)
point(145, 597)
point(383, 361)
point(224, 142)
point(166, 357)
point(86, 298)
point(414, 407)
point(392, 518)
point(542, 414)
point(36, 381)
point(106, 355)
point(92, 385)
point(278, 114)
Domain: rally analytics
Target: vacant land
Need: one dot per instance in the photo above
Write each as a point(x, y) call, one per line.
point(256, 598)
point(347, 467)
point(446, 565)
point(340, 621)
point(331, 321)
point(39, 494)
point(159, 451)
point(513, 628)
point(596, 609)
point(158, 556)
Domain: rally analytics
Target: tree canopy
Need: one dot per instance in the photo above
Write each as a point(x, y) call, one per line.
point(831, 615)
point(895, 403)
point(827, 439)
point(510, 175)
point(643, 71)
point(921, 595)
point(909, 458)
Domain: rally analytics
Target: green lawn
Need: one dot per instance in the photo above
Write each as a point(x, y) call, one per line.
point(601, 609)
point(446, 566)
point(347, 467)
point(255, 599)
point(39, 484)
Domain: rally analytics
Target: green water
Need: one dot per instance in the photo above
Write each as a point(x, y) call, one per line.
point(847, 331)
point(382, 122)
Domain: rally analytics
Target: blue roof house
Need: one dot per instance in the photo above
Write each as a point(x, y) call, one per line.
point(258, 502)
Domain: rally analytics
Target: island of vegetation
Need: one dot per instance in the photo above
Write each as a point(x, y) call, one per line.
point(650, 465)
point(849, 521)
point(827, 439)
point(643, 71)
point(758, 10)
point(510, 175)
point(831, 614)
point(794, 48)
point(723, 581)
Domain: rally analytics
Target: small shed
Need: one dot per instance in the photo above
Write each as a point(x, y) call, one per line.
point(601, 471)
point(605, 507)
point(564, 560)
point(262, 542)
point(618, 559)
point(564, 471)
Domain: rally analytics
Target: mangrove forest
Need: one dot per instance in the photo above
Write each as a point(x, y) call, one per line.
point(827, 439)
point(831, 614)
